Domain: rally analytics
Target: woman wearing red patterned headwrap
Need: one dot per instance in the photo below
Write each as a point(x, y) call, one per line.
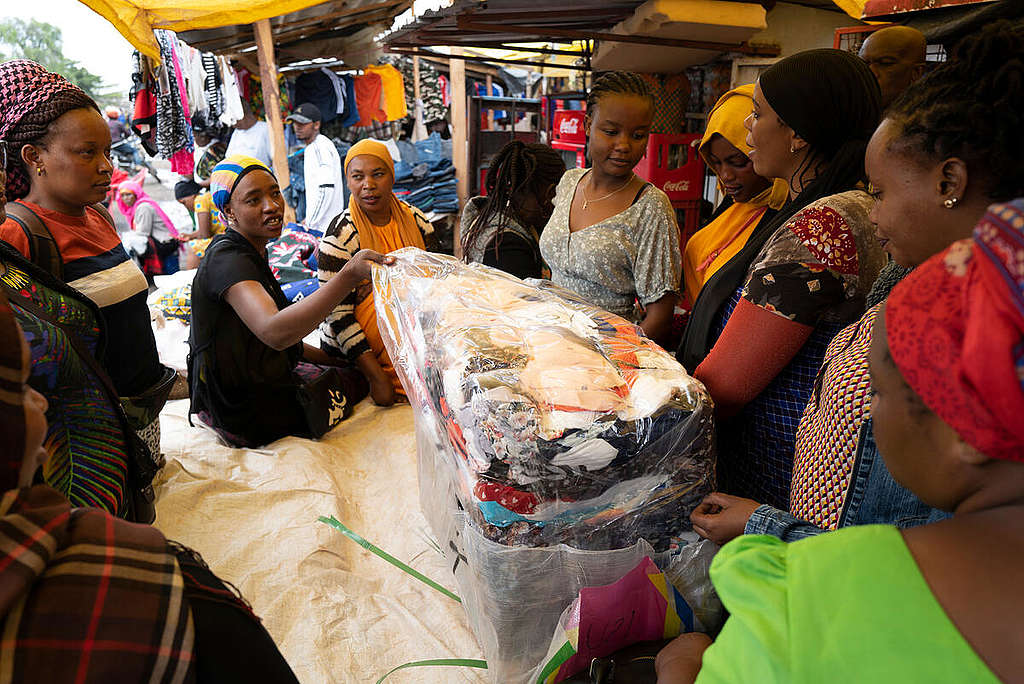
point(58, 171)
point(940, 602)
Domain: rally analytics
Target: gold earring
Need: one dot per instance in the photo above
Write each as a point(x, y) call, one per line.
point(951, 202)
point(39, 171)
point(792, 150)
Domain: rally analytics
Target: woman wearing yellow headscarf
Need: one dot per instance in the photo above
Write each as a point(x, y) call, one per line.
point(375, 219)
point(750, 198)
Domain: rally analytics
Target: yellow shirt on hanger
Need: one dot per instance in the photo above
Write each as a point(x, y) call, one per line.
point(394, 90)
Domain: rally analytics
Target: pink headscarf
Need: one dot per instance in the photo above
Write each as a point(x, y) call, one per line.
point(134, 187)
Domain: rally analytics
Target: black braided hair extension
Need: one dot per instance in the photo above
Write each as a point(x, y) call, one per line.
point(970, 107)
point(618, 83)
point(517, 168)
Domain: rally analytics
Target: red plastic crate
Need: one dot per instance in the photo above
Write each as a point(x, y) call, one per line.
point(672, 164)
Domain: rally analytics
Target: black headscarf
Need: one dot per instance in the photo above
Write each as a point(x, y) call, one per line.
point(831, 99)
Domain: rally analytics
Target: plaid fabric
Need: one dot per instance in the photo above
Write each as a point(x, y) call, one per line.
point(755, 456)
point(88, 598)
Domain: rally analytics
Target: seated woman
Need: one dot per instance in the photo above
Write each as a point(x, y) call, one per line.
point(91, 598)
point(939, 602)
point(206, 218)
point(750, 203)
point(147, 219)
point(613, 238)
point(58, 170)
point(502, 228)
point(813, 115)
point(245, 371)
point(375, 219)
point(838, 477)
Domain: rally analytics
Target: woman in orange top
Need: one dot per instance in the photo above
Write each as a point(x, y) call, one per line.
point(375, 219)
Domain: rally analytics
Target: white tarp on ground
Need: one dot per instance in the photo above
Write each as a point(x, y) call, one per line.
point(337, 612)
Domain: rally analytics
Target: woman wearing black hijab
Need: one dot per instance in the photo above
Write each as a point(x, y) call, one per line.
point(760, 326)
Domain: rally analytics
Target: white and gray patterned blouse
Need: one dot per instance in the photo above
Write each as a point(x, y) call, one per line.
point(633, 255)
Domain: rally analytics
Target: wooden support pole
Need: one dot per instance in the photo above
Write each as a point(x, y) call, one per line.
point(490, 112)
point(460, 135)
point(272, 104)
point(416, 76)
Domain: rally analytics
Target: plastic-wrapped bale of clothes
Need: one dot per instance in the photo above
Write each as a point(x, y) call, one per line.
point(557, 445)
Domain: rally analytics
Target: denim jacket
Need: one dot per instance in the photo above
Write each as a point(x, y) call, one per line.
point(874, 497)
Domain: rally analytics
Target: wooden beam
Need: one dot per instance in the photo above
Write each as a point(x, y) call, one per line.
point(488, 83)
point(488, 60)
point(548, 32)
point(272, 104)
point(460, 136)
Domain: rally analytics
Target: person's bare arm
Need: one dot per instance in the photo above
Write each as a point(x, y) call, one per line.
point(281, 328)
point(657, 323)
point(680, 661)
point(205, 225)
point(382, 391)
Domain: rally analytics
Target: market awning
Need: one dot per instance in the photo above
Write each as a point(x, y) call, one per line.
point(225, 26)
point(516, 25)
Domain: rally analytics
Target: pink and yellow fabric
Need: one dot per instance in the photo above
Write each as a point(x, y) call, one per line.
point(642, 606)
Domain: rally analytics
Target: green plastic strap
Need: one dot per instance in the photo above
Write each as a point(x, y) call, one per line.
point(336, 524)
point(457, 662)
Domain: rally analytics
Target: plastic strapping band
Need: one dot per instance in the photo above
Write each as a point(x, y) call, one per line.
point(333, 522)
point(457, 662)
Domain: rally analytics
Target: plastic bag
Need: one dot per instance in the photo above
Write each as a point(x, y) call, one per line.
point(557, 445)
point(642, 606)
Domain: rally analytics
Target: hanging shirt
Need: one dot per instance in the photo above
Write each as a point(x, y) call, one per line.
point(253, 142)
point(369, 89)
point(351, 115)
point(394, 90)
point(325, 190)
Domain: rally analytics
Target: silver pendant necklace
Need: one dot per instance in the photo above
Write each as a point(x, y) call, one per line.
point(587, 201)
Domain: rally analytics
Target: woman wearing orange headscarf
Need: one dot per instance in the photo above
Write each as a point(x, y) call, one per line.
point(375, 219)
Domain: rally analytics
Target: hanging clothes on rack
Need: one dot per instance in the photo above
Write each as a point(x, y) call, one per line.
point(351, 115)
point(174, 127)
point(393, 90)
point(143, 94)
point(232, 94)
point(369, 89)
point(316, 87)
point(339, 89)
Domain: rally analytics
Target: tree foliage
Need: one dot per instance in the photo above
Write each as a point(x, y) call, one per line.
point(43, 43)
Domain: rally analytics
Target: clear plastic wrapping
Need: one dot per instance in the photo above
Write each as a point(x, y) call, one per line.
point(558, 446)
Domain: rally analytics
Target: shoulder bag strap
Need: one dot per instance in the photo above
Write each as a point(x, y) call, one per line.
point(43, 250)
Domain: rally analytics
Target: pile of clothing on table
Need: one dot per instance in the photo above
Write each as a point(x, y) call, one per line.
point(425, 175)
point(560, 422)
point(293, 261)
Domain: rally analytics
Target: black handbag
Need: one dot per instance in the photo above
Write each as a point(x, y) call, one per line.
point(323, 402)
point(631, 665)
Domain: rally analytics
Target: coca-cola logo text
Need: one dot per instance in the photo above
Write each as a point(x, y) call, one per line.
point(678, 186)
point(569, 125)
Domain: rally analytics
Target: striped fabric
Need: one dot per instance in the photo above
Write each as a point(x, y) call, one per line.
point(88, 598)
point(340, 334)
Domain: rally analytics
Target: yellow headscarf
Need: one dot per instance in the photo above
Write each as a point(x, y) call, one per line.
point(726, 119)
point(402, 231)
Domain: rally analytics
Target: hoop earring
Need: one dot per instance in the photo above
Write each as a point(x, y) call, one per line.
point(951, 202)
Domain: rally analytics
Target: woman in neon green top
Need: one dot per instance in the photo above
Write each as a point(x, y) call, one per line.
point(937, 603)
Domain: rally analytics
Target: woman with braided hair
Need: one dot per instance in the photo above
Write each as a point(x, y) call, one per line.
point(58, 170)
point(503, 228)
point(613, 238)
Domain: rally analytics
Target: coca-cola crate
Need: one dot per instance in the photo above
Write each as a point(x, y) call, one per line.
point(672, 164)
point(568, 127)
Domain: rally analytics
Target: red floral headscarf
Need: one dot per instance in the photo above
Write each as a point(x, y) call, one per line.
point(956, 332)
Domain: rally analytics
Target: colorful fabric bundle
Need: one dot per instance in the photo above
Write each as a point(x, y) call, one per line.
point(642, 606)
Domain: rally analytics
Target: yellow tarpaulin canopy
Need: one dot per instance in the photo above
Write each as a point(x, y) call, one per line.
point(136, 19)
point(855, 8)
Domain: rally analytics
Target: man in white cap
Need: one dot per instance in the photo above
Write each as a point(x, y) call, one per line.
point(325, 184)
